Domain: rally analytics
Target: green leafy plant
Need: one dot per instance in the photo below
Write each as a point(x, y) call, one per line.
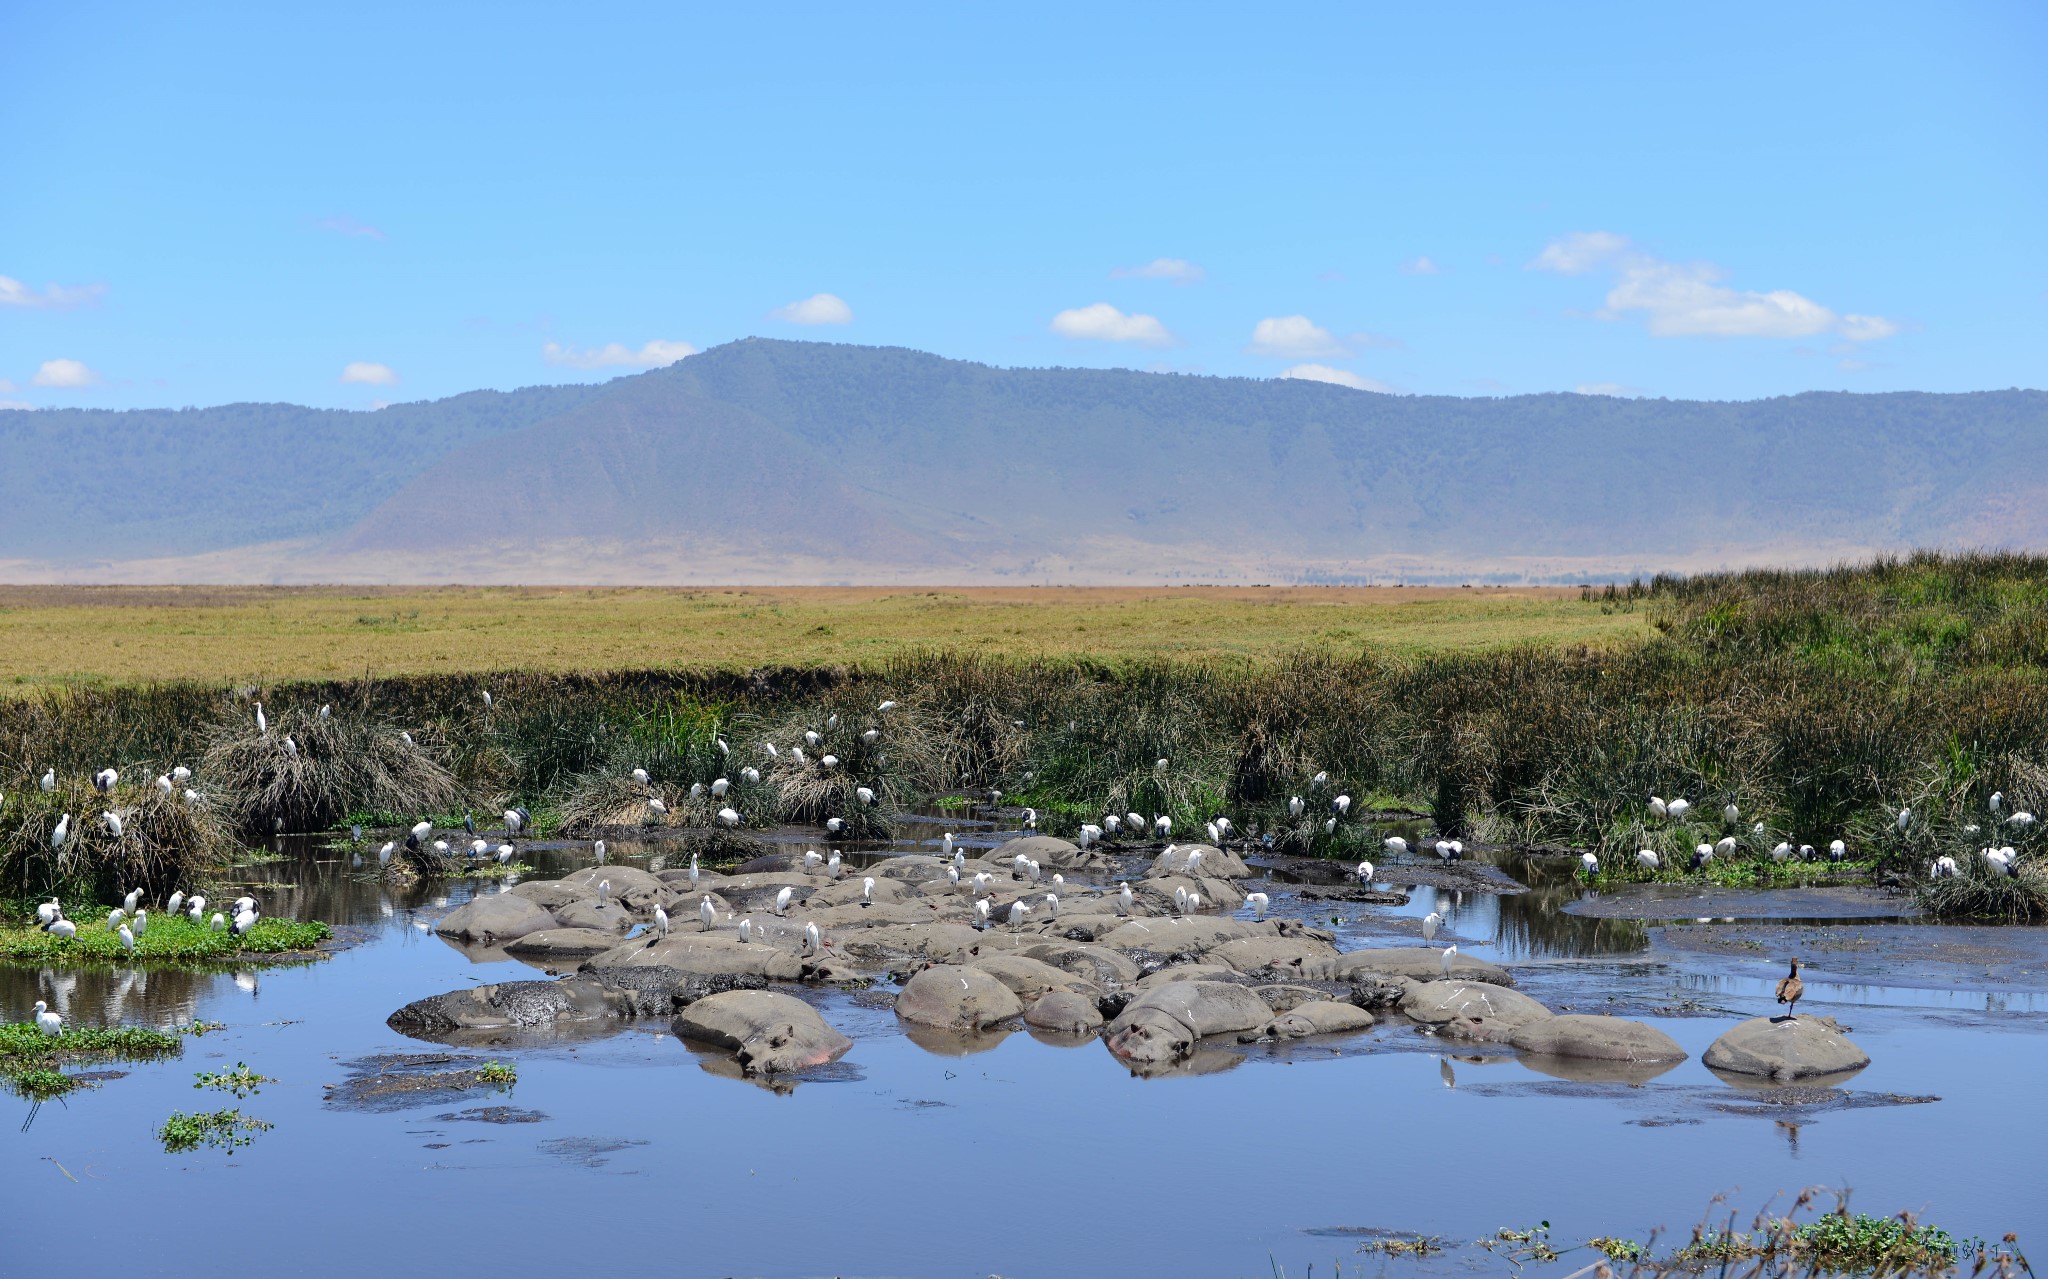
point(241, 1081)
point(224, 1129)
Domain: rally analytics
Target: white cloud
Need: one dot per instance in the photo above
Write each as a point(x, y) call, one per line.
point(819, 308)
point(1615, 389)
point(1179, 270)
point(1335, 377)
point(64, 373)
point(1104, 323)
point(348, 226)
point(1293, 337)
point(1688, 299)
point(1421, 266)
point(654, 355)
point(53, 297)
point(369, 374)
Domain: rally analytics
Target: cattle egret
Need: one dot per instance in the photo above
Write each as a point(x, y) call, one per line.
point(64, 928)
point(694, 872)
point(406, 738)
point(1905, 819)
point(140, 923)
point(1052, 905)
point(62, 832)
point(886, 706)
point(981, 911)
point(47, 1022)
point(114, 918)
point(1090, 832)
point(1330, 826)
point(1018, 912)
point(1997, 800)
point(164, 786)
point(1258, 902)
point(181, 774)
point(746, 929)
point(291, 747)
point(218, 922)
point(832, 865)
point(262, 724)
point(953, 875)
point(696, 790)
point(782, 902)
point(132, 900)
point(723, 749)
point(384, 853)
point(813, 939)
point(707, 912)
point(1450, 956)
point(720, 787)
point(604, 892)
point(661, 921)
point(49, 781)
point(1430, 923)
point(867, 889)
point(127, 939)
point(1657, 808)
point(1125, 899)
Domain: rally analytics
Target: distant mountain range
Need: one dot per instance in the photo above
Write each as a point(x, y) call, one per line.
point(779, 462)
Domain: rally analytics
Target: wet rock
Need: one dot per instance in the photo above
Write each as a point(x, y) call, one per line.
point(947, 943)
point(1184, 972)
point(1164, 1023)
point(611, 917)
point(755, 894)
point(659, 992)
point(1597, 1038)
point(511, 1005)
point(913, 867)
point(1053, 854)
point(702, 954)
point(847, 892)
point(903, 912)
point(1785, 1049)
point(1475, 1011)
point(768, 1032)
point(499, 917)
point(637, 890)
point(1185, 935)
point(1417, 963)
point(1064, 1013)
point(1215, 863)
point(1156, 894)
point(549, 893)
point(1283, 999)
point(1282, 954)
point(954, 998)
point(1030, 979)
point(1318, 1017)
point(563, 943)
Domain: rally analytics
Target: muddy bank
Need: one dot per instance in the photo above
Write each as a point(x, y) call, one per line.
point(1919, 956)
point(1695, 901)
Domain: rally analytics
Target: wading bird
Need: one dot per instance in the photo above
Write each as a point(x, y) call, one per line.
point(62, 832)
point(746, 930)
point(49, 782)
point(1790, 988)
point(813, 939)
point(1258, 903)
point(1365, 871)
point(1781, 852)
point(727, 817)
point(720, 787)
point(867, 890)
point(1052, 906)
point(1125, 898)
point(832, 865)
point(64, 928)
point(132, 900)
point(782, 902)
point(707, 912)
point(262, 724)
point(50, 911)
point(835, 825)
point(1905, 819)
point(127, 936)
point(141, 922)
point(1430, 923)
point(695, 874)
point(1701, 855)
point(1018, 912)
point(657, 808)
point(177, 900)
point(195, 907)
point(49, 1023)
point(640, 776)
point(1295, 806)
point(218, 922)
point(515, 821)
point(1394, 844)
point(114, 918)
point(244, 922)
point(1590, 863)
point(886, 706)
point(1731, 814)
point(1657, 808)
point(1449, 957)
point(1678, 808)
point(1837, 851)
point(981, 912)
point(1647, 859)
point(604, 892)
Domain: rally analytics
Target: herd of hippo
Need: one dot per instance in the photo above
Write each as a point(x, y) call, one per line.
point(1033, 932)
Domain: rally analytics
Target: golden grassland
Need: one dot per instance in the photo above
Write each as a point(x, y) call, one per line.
point(126, 634)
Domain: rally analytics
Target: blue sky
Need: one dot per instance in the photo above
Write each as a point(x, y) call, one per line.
point(343, 205)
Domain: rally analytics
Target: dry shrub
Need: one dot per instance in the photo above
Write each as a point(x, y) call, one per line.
point(344, 764)
point(166, 842)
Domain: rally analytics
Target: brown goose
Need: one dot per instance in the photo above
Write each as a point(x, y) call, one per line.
point(1790, 988)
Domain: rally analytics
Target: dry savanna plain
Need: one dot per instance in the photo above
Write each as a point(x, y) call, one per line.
point(81, 634)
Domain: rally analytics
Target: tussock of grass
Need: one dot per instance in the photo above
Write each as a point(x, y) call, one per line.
point(168, 939)
point(344, 763)
point(165, 841)
point(30, 1060)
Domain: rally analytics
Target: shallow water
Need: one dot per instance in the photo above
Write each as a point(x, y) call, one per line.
point(1024, 1159)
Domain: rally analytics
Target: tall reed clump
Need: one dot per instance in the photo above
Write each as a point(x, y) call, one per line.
point(1149, 744)
point(308, 770)
point(165, 841)
point(820, 757)
point(693, 768)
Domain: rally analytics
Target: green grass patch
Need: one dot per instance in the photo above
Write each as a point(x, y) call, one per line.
point(499, 1074)
point(241, 1081)
point(30, 1061)
point(168, 939)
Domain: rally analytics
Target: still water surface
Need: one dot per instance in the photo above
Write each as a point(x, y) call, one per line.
point(1025, 1159)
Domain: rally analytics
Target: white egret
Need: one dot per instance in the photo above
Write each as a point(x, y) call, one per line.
point(1997, 800)
point(218, 922)
point(707, 912)
point(132, 900)
point(291, 747)
point(750, 774)
point(813, 939)
point(1678, 808)
point(406, 738)
point(1258, 902)
point(796, 753)
point(768, 748)
point(63, 928)
point(886, 706)
point(164, 786)
point(661, 921)
point(747, 929)
point(981, 911)
point(2022, 819)
point(1330, 826)
point(1125, 899)
point(829, 761)
point(867, 890)
point(49, 1023)
point(262, 723)
point(604, 892)
point(1180, 900)
point(326, 711)
point(953, 876)
point(782, 901)
point(812, 859)
point(114, 918)
point(723, 749)
point(1450, 957)
point(62, 832)
point(49, 781)
point(832, 865)
point(1018, 913)
point(728, 817)
point(181, 774)
point(1052, 905)
point(695, 873)
point(1905, 819)
point(1657, 808)
point(720, 787)
point(384, 853)
point(1194, 860)
point(127, 939)
point(141, 922)
point(1430, 923)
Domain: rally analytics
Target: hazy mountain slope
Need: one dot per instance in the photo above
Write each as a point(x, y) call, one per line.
point(82, 484)
point(771, 460)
